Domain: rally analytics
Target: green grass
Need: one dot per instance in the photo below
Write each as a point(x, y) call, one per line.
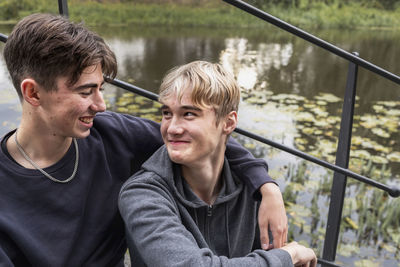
point(352, 15)
point(218, 14)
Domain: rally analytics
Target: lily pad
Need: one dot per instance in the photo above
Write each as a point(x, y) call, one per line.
point(379, 108)
point(389, 103)
point(322, 103)
point(365, 263)
point(256, 100)
point(326, 146)
point(320, 112)
point(308, 130)
point(369, 121)
point(394, 156)
point(380, 132)
point(305, 117)
point(328, 98)
point(288, 96)
point(348, 250)
point(362, 154)
point(393, 112)
point(379, 160)
point(322, 123)
point(390, 123)
point(333, 119)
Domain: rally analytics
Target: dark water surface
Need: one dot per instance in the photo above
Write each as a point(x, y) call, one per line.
point(292, 93)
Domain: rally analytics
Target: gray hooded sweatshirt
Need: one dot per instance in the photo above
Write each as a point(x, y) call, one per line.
point(168, 225)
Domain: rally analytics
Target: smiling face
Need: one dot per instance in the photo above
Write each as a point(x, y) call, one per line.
point(69, 111)
point(191, 133)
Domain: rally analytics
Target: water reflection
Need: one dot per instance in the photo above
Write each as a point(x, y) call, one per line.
point(292, 93)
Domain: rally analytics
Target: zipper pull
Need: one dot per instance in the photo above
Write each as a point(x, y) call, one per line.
point(209, 210)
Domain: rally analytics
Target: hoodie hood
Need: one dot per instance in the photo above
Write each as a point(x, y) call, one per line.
point(160, 164)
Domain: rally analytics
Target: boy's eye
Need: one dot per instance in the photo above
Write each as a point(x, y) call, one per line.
point(190, 114)
point(86, 93)
point(165, 113)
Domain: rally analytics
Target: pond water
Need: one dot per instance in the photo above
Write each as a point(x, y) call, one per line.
point(291, 93)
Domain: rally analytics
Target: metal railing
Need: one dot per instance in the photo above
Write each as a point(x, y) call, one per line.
point(343, 151)
point(342, 155)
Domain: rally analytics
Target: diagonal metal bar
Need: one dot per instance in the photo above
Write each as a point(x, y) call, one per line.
point(3, 37)
point(393, 191)
point(312, 39)
point(133, 88)
point(328, 263)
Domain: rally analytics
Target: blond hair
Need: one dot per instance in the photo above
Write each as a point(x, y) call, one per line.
point(212, 86)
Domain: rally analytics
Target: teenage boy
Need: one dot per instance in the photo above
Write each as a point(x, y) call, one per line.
point(186, 207)
point(62, 169)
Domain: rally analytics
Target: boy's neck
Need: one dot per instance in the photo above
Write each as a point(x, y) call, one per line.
point(204, 178)
point(44, 149)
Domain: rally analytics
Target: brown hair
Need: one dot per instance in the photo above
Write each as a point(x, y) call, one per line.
point(45, 47)
point(211, 85)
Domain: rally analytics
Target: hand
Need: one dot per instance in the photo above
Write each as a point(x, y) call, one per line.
point(272, 213)
point(301, 256)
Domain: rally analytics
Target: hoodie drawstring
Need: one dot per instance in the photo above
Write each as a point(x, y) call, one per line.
point(227, 229)
point(196, 220)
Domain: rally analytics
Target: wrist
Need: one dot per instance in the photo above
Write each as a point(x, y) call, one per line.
point(292, 252)
point(269, 188)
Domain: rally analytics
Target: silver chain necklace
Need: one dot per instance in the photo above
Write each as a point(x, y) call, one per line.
point(41, 170)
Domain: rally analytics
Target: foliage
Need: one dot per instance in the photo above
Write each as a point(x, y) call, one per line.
point(301, 13)
point(9, 9)
point(379, 4)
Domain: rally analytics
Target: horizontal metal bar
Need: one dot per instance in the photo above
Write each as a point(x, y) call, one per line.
point(3, 38)
point(327, 263)
point(312, 39)
point(393, 191)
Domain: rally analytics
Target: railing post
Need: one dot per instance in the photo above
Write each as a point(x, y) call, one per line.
point(63, 7)
point(342, 159)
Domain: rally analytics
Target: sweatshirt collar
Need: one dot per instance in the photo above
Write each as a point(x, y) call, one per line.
point(161, 164)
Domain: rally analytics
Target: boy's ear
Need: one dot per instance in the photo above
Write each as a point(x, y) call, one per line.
point(30, 92)
point(230, 122)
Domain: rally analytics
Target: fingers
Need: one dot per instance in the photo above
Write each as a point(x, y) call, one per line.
point(279, 234)
point(314, 262)
point(272, 215)
point(264, 233)
point(265, 239)
point(301, 255)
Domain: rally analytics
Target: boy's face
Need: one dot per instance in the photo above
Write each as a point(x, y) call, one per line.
point(70, 110)
point(190, 133)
